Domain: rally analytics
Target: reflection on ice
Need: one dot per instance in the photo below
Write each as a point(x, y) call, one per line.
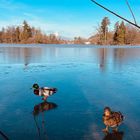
point(114, 136)
point(41, 109)
point(102, 56)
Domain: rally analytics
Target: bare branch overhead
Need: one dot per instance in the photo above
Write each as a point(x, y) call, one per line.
point(131, 11)
point(116, 14)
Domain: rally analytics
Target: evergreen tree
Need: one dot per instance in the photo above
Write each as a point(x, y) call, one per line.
point(17, 34)
point(27, 32)
point(115, 37)
point(104, 30)
point(120, 33)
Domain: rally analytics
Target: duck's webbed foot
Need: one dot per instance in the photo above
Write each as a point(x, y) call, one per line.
point(106, 130)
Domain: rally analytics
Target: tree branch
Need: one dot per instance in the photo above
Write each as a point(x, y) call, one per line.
point(116, 14)
point(131, 11)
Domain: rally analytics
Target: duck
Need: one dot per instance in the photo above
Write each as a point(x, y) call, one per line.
point(44, 92)
point(112, 119)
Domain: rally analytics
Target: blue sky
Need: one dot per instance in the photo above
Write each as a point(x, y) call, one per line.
point(67, 17)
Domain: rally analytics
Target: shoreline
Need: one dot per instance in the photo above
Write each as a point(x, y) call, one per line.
point(68, 45)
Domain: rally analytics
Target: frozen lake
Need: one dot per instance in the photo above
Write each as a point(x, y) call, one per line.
point(88, 78)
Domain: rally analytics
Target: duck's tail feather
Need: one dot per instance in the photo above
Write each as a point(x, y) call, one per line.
point(55, 89)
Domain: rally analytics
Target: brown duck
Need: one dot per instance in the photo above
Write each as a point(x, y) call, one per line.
point(112, 119)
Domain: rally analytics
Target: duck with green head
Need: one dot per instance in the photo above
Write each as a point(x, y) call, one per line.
point(44, 92)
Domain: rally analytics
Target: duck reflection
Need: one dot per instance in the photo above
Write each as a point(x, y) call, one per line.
point(114, 136)
point(103, 59)
point(26, 57)
point(39, 110)
point(44, 106)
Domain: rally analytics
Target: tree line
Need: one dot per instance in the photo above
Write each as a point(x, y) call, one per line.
point(122, 34)
point(26, 34)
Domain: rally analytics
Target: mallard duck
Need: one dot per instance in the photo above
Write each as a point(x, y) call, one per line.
point(45, 92)
point(112, 119)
